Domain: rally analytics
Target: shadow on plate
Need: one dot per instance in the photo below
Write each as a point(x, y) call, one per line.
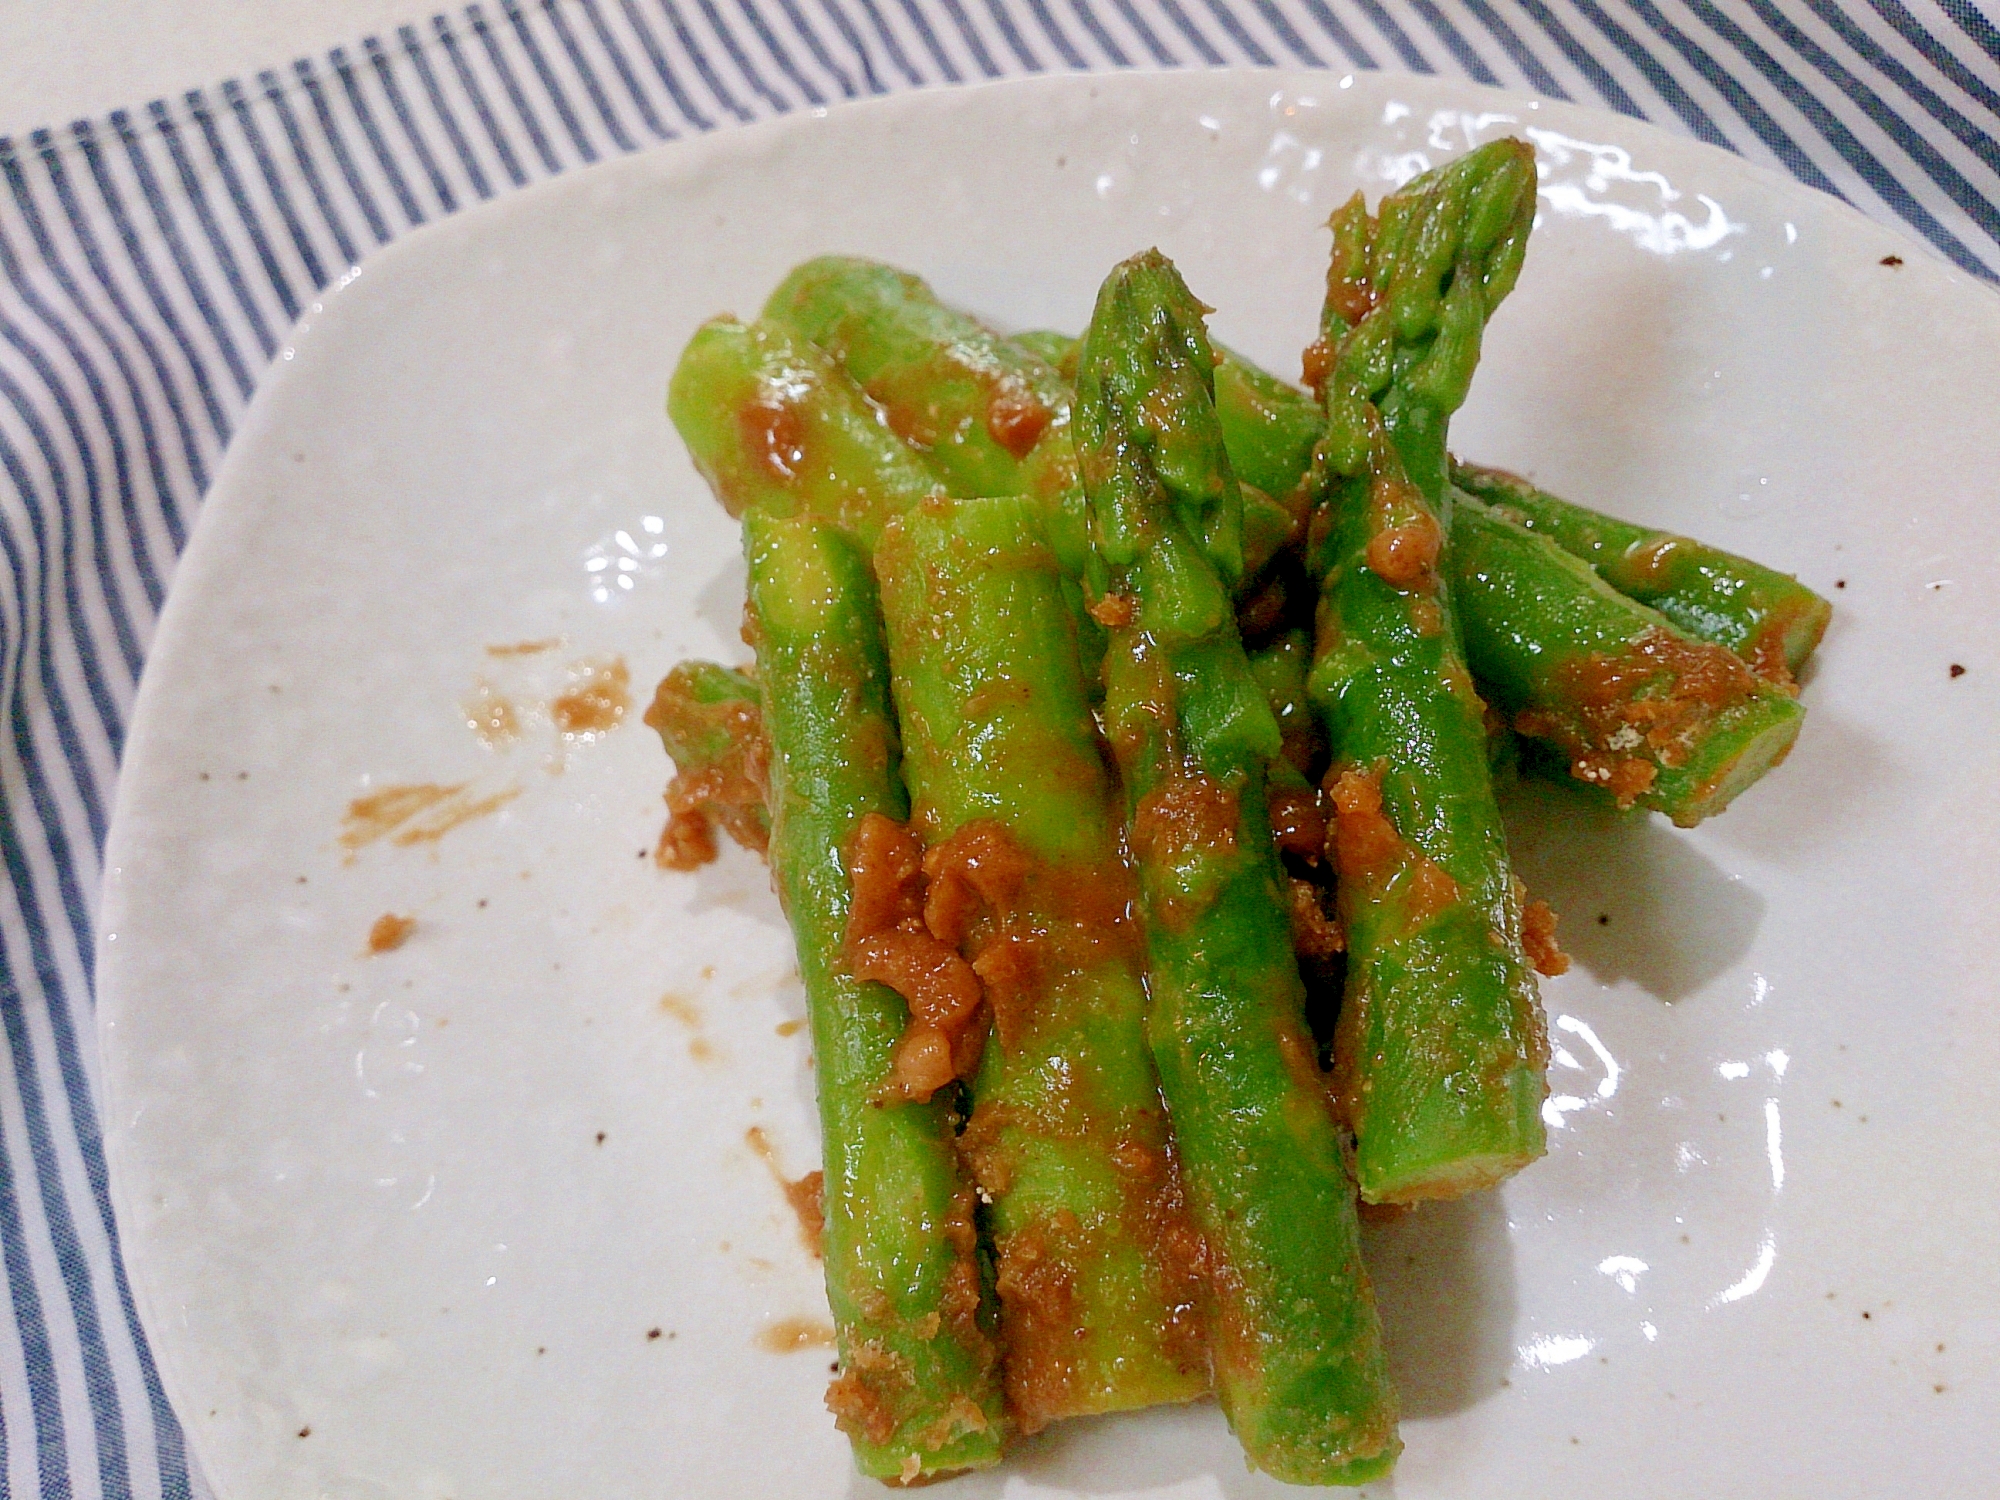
point(738, 880)
point(1638, 901)
point(1839, 778)
point(720, 604)
point(1444, 1281)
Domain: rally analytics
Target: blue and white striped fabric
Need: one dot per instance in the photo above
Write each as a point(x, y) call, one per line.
point(152, 261)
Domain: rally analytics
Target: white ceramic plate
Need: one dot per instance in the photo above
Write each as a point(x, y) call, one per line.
point(477, 1217)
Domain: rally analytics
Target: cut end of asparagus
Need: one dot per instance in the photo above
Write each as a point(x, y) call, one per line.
point(1304, 1438)
point(1790, 635)
point(1446, 1180)
point(1767, 728)
point(911, 1465)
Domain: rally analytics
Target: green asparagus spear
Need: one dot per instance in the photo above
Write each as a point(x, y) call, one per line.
point(1441, 1049)
point(1268, 426)
point(1512, 636)
point(710, 720)
point(1281, 667)
point(919, 1389)
point(1272, 425)
point(1067, 1136)
point(1298, 1353)
point(989, 417)
point(1632, 704)
point(1269, 432)
point(773, 424)
point(1768, 618)
point(1058, 351)
point(861, 482)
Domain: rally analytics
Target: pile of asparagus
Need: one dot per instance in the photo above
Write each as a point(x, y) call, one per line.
point(1055, 843)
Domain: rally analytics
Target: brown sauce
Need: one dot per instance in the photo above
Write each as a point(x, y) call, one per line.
point(681, 1009)
point(1538, 937)
point(874, 1383)
point(491, 717)
point(1114, 611)
point(390, 932)
point(1184, 815)
point(687, 841)
point(1263, 611)
point(944, 996)
point(1016, 419)
point(969, 932)
point(1036, 1285)
point(1632, 713)
point(728, 794)
point(1316, 363)
point(1315, 934)
point(978, 865)
point(1432, 892)
point(889, 940)
point(791, 1335)
point(380, 814)
point(806, 1196)
point(421, 813)
point(525, 648)
point(1012, 966)
point(885, 865)
point(1404, 556)
point(774, 437)
point(453, 814)
point(1362, 840)
point(1017, 924)
point(1368, 850)
point(596, 701)
point(1297, 824)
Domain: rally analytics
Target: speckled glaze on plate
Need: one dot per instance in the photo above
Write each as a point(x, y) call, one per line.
point(477, 1217)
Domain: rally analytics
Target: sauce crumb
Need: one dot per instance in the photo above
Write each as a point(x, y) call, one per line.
point(790, 1335)
point(1538, 937)
point(1114, 611)
point(791, 1028)
point(1017, 418)
point(390, 932)
point(596, 700)
point(1957, 670)
point(1315, 933)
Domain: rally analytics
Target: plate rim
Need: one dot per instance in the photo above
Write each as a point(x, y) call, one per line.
point(234, 499)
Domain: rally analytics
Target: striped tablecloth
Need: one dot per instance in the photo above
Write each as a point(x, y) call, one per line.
point(151, 262)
